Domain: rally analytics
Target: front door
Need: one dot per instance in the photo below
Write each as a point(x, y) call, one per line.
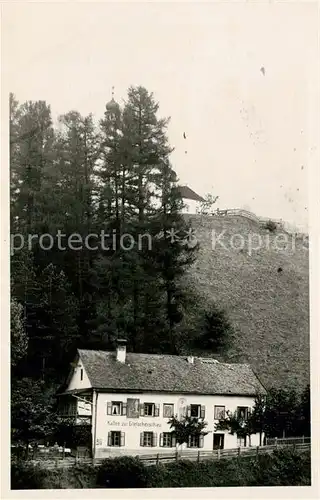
point(218, 441)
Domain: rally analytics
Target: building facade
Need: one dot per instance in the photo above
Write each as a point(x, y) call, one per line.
point(128, 399)
point(191, 200)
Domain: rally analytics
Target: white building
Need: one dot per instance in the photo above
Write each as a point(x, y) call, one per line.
point(191, 200)
point(128, 398)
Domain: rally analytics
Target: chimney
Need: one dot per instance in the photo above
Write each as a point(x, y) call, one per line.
point(121, 350)
point(190, 360)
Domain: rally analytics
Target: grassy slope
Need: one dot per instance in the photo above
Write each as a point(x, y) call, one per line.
point(269, 310)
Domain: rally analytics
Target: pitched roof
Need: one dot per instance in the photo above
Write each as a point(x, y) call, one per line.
point(188, 194)
point(167, 373)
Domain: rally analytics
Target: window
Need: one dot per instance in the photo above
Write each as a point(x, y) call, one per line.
point(149, 410)
point(242, 412)
point(115, 438)
point(196, 441)
point(241, 442)
point(148, 439)
point(116, 408)
point(168, 410)
point(81, 374)
point(193, 442)
point(218, 441)
point(167, 439)
point(219, 412)
point(196, 411)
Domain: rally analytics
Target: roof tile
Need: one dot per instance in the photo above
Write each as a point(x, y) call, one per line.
point(188, 193)
point(168, 373)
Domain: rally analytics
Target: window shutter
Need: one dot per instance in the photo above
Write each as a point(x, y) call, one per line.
point(188, 411)
point(122, 441)
point(109, 438)
point(161, 439)
point(124, 408)
point(156, 410)
point(201, 440)
point(141, 438)
point(189, 441)
point(141, 409)
point(202, 411)
point(109, 407)
point(154, 439)
point(173, 439)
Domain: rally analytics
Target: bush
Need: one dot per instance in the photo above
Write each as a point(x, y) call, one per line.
point(271, 226)
point(26, 476)
point(285, 467)
point(122, 472)
point(282, 468)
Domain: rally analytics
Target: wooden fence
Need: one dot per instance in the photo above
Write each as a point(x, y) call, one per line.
point(195, 456)
point(243, 213)
point(288, 441)
point(261, 221)
point(252, 451)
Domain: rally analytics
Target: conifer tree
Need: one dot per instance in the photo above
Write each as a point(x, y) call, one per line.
point(78, 151)
point(31, 154)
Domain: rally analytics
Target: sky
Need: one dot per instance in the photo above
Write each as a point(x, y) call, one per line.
point(236, 78)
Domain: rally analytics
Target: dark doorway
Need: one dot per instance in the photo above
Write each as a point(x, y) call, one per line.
point(218, 441)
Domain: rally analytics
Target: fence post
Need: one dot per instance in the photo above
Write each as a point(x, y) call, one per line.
point(257, 451)
point(198, 458)
point(239, 450)
point(276, 442)
point(157, 458)
point(218, 453)
point(177, 455)
point(302, 439)
point(64, 450)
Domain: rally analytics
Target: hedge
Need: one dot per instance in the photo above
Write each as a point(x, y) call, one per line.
point(282, 468)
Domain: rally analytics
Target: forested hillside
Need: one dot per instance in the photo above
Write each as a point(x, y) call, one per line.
point(71, 289)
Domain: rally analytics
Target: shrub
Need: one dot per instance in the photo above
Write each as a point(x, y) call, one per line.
point(25, 476)
point(122, 472)
point(282, 468)
point(285, 467)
